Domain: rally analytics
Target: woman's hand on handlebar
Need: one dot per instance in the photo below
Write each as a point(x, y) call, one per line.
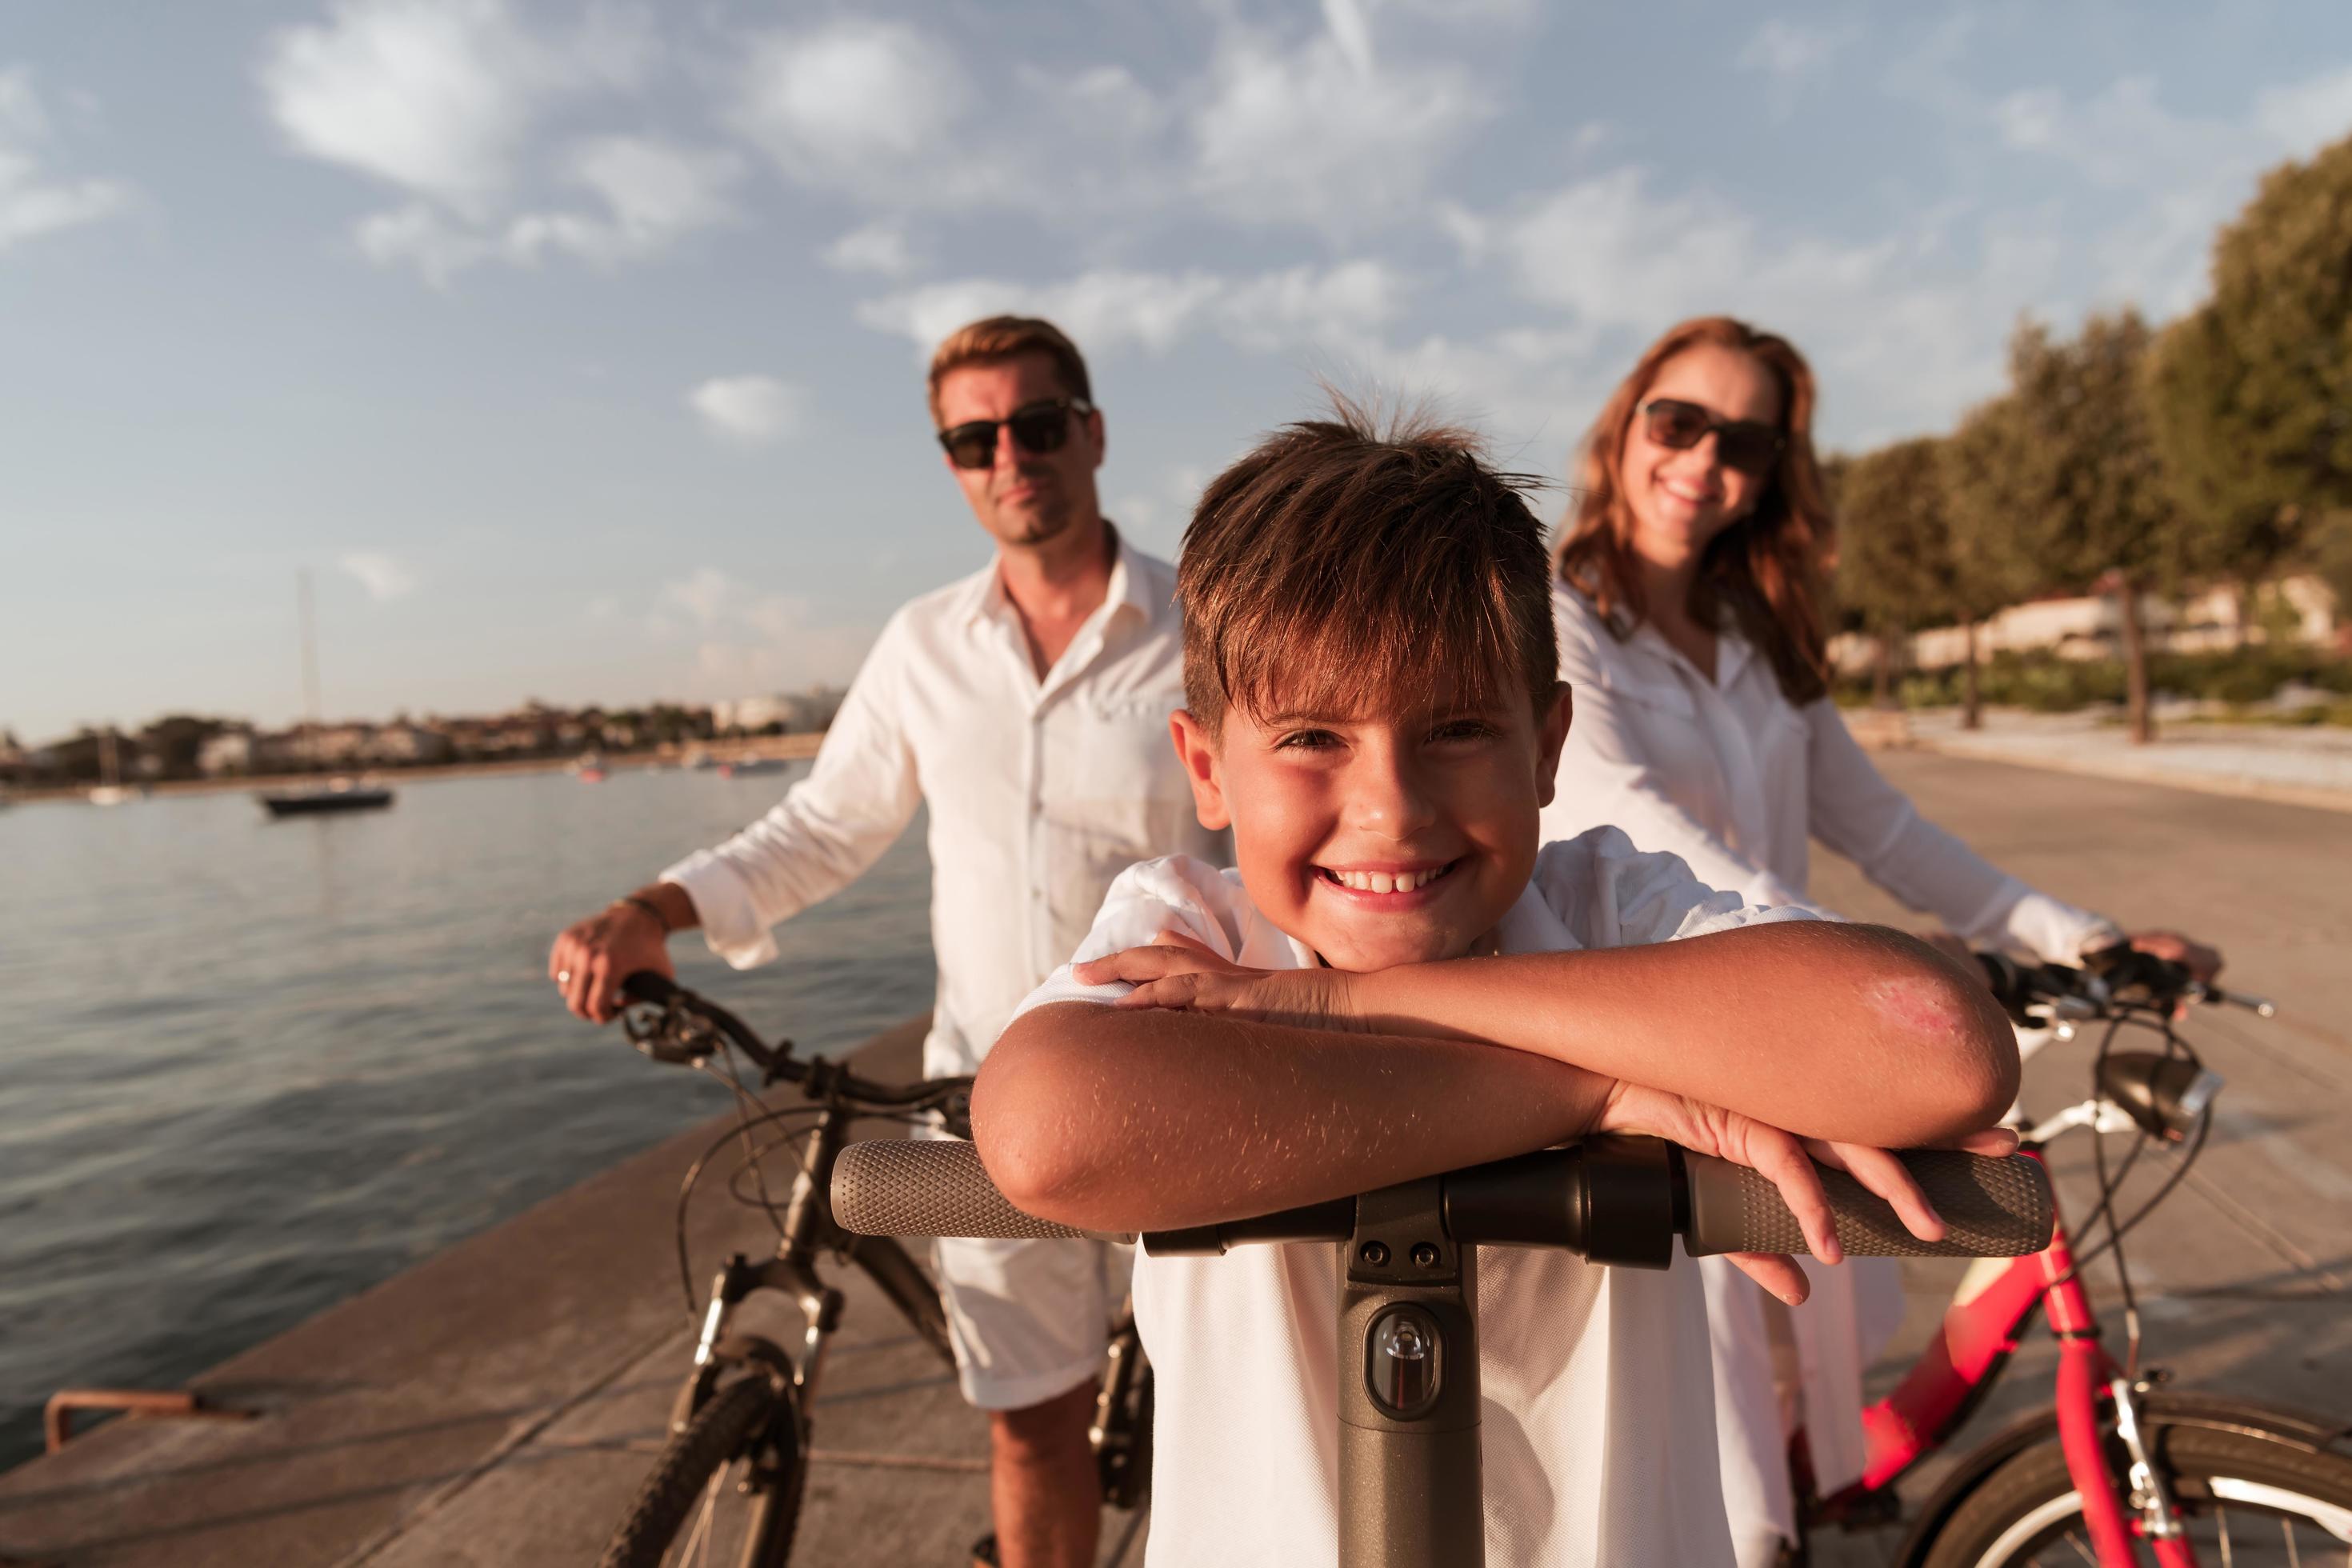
point(2201, 962)
point(1787, 1161)
point(592, 956)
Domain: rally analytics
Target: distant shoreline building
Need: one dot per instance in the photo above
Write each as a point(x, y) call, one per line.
point(2090, 627)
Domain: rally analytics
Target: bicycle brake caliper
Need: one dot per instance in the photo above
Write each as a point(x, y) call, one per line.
point(2158, 1518)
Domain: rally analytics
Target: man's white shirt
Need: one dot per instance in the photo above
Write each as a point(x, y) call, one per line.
point(1040, 792)
point(1599, 1427)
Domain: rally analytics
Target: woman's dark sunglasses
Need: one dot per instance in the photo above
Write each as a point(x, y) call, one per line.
point(1039, 428)
point(1742, 443)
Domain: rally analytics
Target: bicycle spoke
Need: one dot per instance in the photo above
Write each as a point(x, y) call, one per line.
point(2286, 1532)
point(709, 1509)
point(2221, 1523)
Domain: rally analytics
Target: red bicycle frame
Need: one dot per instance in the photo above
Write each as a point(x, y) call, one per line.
point(1980, 1330)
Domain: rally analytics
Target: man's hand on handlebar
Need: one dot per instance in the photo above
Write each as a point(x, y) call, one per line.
point(592, 956)
point(1781, 1157)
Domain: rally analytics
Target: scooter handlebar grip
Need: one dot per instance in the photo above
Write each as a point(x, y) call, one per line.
point(905, 1186)
point(1991, 1208)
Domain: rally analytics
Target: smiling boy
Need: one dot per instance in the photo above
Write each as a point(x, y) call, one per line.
point(1397, 979)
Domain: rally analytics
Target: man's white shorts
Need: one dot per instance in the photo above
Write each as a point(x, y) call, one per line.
point(1029, 1318)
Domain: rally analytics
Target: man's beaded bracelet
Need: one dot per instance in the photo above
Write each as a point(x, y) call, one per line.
point(649, 907)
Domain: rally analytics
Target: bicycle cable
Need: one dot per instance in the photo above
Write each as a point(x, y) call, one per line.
point(2110, 1185)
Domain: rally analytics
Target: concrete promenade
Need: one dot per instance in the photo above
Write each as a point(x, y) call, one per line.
point(497, 1403)
point(2300, 765)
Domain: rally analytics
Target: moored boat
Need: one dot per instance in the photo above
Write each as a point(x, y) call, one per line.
point(340, 795)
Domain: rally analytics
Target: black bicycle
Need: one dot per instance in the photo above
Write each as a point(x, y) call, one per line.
point(728, 1485)
point(1411, 1490)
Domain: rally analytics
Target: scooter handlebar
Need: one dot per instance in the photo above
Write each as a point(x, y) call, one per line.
point(1992, 1207)
point(908, 1186)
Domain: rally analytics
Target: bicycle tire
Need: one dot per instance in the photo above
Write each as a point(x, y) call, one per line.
point(904, 1284)
point(735, 1418)
point(2027, 1513)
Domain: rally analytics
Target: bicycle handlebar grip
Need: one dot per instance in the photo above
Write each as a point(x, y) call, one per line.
point(1991, 1208)
point(645, 986)
point(906, 1187)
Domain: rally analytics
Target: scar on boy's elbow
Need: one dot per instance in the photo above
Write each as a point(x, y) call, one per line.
point(1931, 998)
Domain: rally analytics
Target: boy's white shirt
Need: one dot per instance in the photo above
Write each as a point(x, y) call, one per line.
point(1599, 1431)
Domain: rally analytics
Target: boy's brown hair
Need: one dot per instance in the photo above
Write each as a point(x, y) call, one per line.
point(1335, 560)
point(994, 337)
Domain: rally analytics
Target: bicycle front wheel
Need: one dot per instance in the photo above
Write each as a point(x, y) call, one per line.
point(2249, 1498)
point(726, 1490)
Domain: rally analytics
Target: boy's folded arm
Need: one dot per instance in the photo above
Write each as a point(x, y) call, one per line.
point(1836, 1031)
point(1115, 1119)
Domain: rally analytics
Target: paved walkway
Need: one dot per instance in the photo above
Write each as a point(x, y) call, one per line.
point(2245, 1275)
point(496, 1404)
point(2306, 766)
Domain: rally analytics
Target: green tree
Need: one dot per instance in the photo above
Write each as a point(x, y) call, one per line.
point(2234, 526)
point(1906, 566)
point(2332, 560)
point(2255, 389)
point(2057, 483)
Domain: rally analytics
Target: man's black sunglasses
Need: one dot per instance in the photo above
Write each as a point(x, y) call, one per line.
point(1039, 428)
point(1742, 443)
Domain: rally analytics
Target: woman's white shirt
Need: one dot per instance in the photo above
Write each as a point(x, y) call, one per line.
point(1597, 1386)
point(1735, 779)
point(1732, 776)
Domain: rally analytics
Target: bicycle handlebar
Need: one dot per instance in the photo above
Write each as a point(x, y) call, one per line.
point(1612, 1199)
point(2105, 984)
point(683, 1010)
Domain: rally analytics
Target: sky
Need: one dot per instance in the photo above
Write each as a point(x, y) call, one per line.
point(575, 348)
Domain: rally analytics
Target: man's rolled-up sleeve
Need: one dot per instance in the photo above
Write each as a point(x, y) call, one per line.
point(825, 832)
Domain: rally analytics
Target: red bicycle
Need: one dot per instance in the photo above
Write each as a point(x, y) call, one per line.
point(2116, 1464)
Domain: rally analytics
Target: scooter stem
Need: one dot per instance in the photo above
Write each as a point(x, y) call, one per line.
point(1410, 1492)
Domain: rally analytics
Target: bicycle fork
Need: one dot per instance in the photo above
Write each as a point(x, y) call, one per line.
point(2112, 1513)
point(789, 1272)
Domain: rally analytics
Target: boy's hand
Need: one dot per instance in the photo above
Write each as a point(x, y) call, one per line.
point(1787, 1161)
point(1182, 974)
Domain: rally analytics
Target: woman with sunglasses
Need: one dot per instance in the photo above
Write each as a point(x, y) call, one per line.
point(1692, 634)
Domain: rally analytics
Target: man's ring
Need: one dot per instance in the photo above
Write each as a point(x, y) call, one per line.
point(563, 977)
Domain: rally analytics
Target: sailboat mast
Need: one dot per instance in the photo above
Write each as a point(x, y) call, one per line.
point(309, 666)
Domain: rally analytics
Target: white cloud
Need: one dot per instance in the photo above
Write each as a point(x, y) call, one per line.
point(879, 246)
point(859, 104)
point(655, 193)
point(2303, 116)
point(418, 235)
point(1906, 327)
point(1320, 131)
point(435, 96)
point(1792, 51)
point(2184, 175)
point(750, 410)
point(33, 203)
point(1336, 305)
point(1792, 57)
point(444, 98)
point(1110, 310)
point(383, 577)
point(747, 640)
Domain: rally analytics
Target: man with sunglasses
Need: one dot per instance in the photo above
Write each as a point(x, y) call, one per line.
point(1028, 705)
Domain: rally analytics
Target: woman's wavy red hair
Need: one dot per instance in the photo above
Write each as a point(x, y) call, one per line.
point(1764, 571)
